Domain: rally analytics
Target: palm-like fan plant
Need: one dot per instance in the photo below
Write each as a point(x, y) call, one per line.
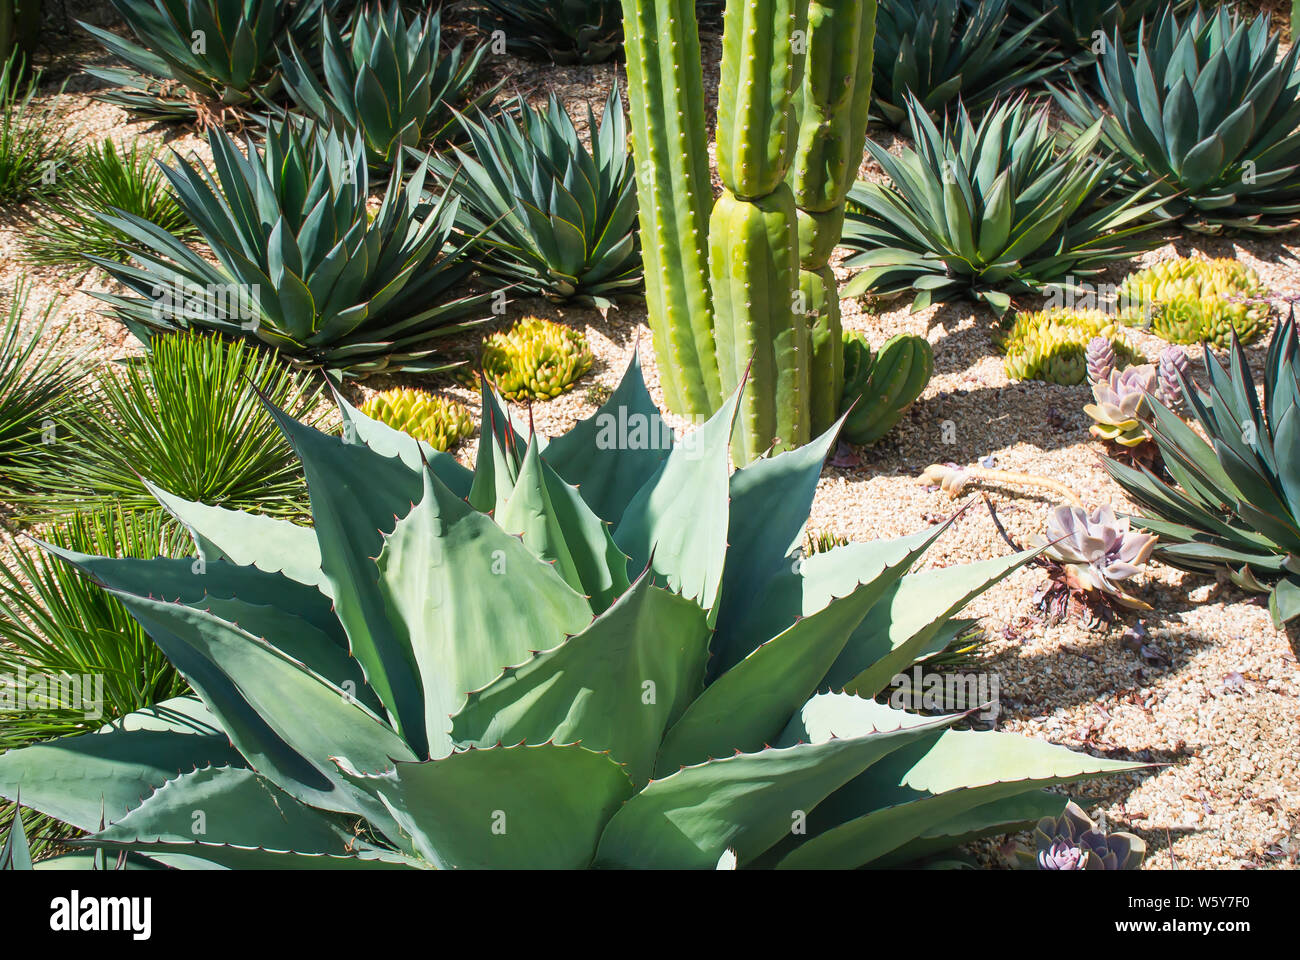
point(1205, 114)
point(302, 263)
point(1234, 504)
point(56, 624)
point(184, 416)
point(389, 80)
point(551, 216)
point(940, 50)
point(989, 210)
point(562, 31)
point(194, 58)
point(101, 179)
point(35, 386)
point(646, 626)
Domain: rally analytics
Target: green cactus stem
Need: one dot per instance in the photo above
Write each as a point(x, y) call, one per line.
point(833, 96)
point(666, 97)
point(753, 233)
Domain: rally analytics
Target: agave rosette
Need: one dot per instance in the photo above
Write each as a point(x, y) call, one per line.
point(1204, 113)
point(1190, 300)
point(302, 263)
point(193, 54)
point(536, 359)
point(389, 80)
point(941, 49)
point(552, 217)
point(1234, 503)
point(654, 679)
point(1078, 28)
point(561, 31)
point(988, 211)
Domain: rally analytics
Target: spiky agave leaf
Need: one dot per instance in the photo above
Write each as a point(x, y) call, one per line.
point(988, 210)
point(389, 80)
point(62, 632)
point(185, 417)
point(35, 384)
point(553, 217)
point(561, 31)
point(613, 618)
point(1080, 29)
point(1234, 503)
point(939, 50)
point(302, 264)
point(192, 57)
point(1204, 114)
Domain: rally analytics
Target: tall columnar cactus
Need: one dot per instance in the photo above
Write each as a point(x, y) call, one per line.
point(790, 133)
point(832, 102)
point(666, 96)
point(753, 233)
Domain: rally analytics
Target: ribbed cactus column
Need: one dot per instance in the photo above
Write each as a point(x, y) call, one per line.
point(753, 232)
point(669, 145)
point(833, 99)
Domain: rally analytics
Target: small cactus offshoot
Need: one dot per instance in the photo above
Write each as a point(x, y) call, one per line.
point(1073, 841)
point(1120, 403)
point(1052, 345)
point(1193, 301)
point(438, 421)
point(536, 359)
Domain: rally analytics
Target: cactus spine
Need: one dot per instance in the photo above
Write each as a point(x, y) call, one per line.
point(666, 97)
point(832, 98)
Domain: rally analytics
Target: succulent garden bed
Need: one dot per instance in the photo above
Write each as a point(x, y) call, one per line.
point(1175, 682)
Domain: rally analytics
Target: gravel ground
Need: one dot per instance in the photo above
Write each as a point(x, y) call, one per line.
point(1214, 698)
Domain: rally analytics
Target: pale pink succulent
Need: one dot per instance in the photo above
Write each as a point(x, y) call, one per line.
point(1098, 549)
point(1120, 400)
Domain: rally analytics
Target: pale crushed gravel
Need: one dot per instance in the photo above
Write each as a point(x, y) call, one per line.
point(1220, 710)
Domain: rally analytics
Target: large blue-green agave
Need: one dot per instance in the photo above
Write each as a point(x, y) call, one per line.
point(602, 649)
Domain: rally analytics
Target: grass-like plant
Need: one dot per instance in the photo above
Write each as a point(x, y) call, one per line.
point(34, 145)
point(57, 625)
point(187, 417)
point(105, 178)
point(34, 385)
